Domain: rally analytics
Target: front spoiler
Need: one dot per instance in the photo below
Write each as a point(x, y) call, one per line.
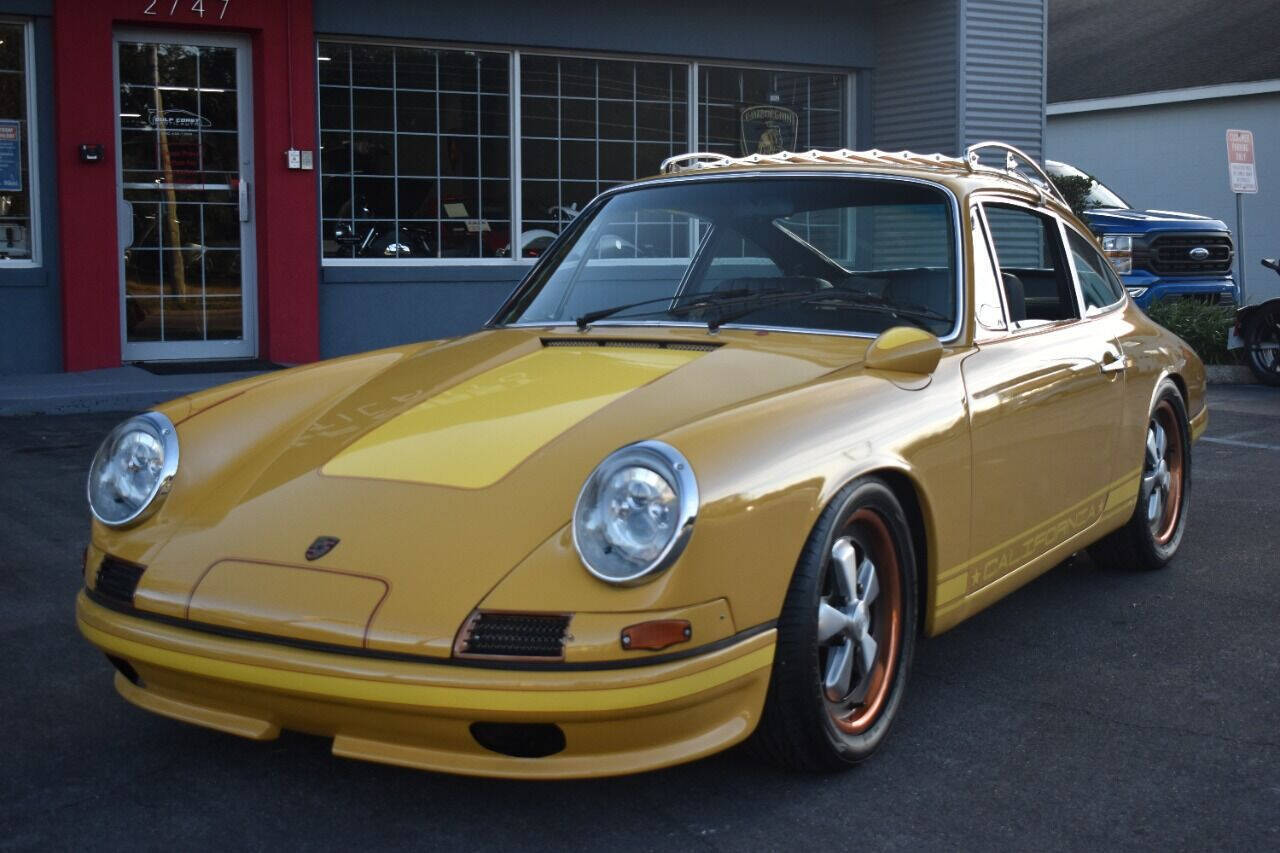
point(418, 714)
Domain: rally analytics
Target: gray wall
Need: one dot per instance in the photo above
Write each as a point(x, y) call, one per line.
point(1003, 47)
point(1174, 157)
point(953, 72)
point(839, 34)
point(30, 310)
point(914, 85)
point(369, 307)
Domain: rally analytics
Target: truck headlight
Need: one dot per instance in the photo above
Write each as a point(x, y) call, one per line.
point(133, 467)
point(1119, 251)
point(635, 513)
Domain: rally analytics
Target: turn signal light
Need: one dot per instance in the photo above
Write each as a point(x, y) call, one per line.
point(655, 635)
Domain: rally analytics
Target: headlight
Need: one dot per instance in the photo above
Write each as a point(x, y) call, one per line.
point(1136, 292)
point(133, 467)
point(1119, 250)
point(635, 513)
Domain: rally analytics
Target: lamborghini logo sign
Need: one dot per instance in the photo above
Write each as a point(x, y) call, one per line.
point(769, 129)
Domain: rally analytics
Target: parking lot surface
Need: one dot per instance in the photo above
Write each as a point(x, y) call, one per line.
point(1092, 708)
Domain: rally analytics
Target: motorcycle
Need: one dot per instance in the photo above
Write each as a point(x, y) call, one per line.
point(1258, 331)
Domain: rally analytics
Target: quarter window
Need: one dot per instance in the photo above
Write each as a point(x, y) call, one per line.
point(1098, 284)
point(17, 195)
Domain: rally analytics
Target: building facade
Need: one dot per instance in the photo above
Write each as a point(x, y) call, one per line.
point(1146, 109)
point(217, 179)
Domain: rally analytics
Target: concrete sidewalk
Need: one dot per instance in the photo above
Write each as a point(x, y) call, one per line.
point(110, 389)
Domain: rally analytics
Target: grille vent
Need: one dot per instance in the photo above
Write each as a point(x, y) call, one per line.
point(614, 342)
point(1171, 254)
point(117, 580)
point(532, 636)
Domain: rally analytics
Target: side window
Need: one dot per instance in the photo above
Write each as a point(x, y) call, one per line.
point(1098, 286)
point(1033, 271)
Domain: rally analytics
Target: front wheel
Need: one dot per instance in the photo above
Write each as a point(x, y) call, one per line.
point(1152, 535)
point(1262, 345)
point(846, 635)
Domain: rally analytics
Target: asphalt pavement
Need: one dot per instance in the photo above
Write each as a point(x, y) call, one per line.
point(1093, 708)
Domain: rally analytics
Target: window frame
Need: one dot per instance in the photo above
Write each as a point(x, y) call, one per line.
point(516, 176)
point(956, 220)
point(1086, 312)
point(33, 173)
point(1062, 256)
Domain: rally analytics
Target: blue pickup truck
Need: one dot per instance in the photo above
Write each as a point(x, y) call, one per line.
point(1159, 253)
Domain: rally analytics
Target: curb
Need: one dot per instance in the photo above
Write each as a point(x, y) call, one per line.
point(1229, 374)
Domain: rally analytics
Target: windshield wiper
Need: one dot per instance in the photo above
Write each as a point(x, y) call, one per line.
point(590, 317)
point(919, 317)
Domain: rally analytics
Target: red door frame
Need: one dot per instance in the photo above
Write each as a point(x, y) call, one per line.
point(285, 210)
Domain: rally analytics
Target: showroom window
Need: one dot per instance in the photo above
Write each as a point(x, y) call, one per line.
point(415, 151)
point(590, 124)
point(422, 158)
point(17, 175)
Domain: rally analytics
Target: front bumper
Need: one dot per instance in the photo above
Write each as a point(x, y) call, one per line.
point(614, 721)
point(1217, 290)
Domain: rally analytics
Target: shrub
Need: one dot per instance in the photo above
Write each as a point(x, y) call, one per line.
point(1203, 327)
point(1075, 189)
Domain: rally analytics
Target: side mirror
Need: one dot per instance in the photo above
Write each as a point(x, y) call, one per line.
point(904, 349)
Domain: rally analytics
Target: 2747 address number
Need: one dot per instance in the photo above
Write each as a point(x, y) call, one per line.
point(155, 7)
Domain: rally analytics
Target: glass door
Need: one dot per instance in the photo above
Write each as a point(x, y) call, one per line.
point(187, 261)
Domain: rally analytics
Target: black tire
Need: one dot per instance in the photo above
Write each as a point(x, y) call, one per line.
point(802, 728)
point(1145, 543)
point(1262, 345)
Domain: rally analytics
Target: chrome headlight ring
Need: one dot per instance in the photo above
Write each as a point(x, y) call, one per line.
point(133, 468)
point(635, 513)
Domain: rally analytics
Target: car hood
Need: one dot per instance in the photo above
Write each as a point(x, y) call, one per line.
point(1116, 221)
point(431, 470)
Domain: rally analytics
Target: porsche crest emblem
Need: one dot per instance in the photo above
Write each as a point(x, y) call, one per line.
point(769, 129)
point(323, 545)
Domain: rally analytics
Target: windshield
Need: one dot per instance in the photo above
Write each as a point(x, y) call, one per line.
point(1098, 195)
point(836, 253)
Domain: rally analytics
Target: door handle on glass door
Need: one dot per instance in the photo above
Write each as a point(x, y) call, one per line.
point(124, 215)
point(244, 200)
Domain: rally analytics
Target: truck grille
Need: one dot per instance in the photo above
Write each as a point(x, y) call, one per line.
point(117, 580)
point(538, 636)
point(1170, 254)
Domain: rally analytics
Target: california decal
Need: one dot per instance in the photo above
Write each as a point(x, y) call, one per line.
point(769, 130)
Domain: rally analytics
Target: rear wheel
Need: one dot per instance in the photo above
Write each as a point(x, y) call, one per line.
point(1152, 535)
point(1262, 345)
point(846, 635)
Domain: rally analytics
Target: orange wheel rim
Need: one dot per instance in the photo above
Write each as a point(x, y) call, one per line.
point(1162, 473)
point(860, 622)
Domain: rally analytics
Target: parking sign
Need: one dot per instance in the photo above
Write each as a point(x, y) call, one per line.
point(1241, 167)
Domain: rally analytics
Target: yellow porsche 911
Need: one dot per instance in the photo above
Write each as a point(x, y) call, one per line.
point(746, 431)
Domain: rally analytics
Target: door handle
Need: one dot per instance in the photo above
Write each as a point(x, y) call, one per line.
point(124, 216)
point(1113, 363)
point(245, 207)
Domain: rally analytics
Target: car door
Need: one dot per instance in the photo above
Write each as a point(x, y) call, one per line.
point(1044, 394)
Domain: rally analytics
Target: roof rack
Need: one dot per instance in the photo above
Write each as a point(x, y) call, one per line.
point(703, 160)
point(970, 163)
point(1044, 186)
